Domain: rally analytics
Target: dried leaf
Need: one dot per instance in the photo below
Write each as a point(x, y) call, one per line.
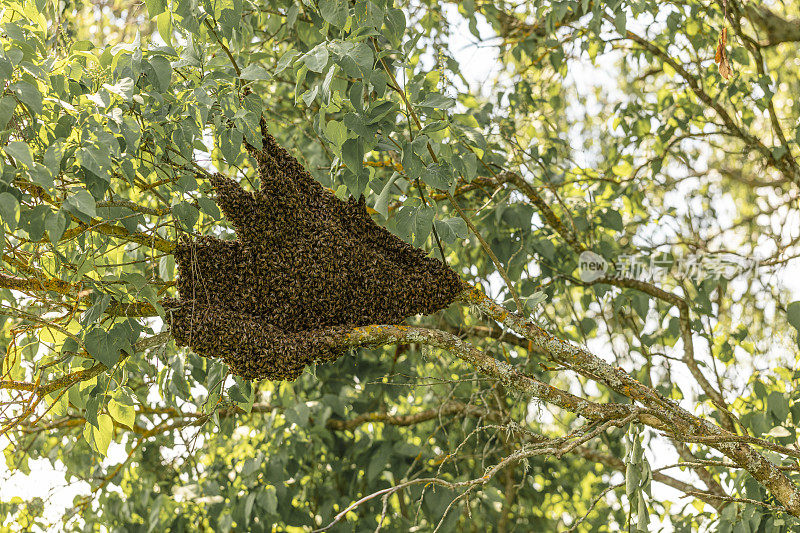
point(721, 56)
point(725, 69)
point(721, 42)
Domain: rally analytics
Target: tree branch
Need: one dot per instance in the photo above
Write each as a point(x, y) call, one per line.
point(682, 422)
point(379, 335)
point(778, 29)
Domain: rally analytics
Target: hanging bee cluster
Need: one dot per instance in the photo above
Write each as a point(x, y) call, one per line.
point(304, 264)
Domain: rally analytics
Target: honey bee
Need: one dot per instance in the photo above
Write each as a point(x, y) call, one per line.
point(304, 263)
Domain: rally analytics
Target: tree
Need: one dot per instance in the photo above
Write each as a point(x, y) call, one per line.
point(568, 389)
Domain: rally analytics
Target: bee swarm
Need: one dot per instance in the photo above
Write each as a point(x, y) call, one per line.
point(304, 263)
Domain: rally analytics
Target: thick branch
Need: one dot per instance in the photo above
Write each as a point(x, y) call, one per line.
point(43, 283)
point(38, 284)
point(778, 29)
point(152, 241)
point(72, 378)
point(98, 226)
point(617, 379)
point(549, 215)
point(503, 372)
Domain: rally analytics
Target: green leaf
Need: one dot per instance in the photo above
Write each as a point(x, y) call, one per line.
point(406, 449)
point(778, 406)
point(187, 214)
point(438, 176)
point(367, 14)
point(633, 475)
point(28, 95)
point(255, 72)
point(81, 203)
point(359, 53)
point(123, 88)
point(326, 84)
point(32, 221)
point(641, 304)
point(155, 7)
point(99, 436)
point(253, 103)
point(378, 461)
point(99, 345)
point(452, 229)
point(612, 219)
point(163, 72)
point(336, 132)
point(334, 11)
point(53, 156)
point(164, 23)
point(353, 155)
point(231, 145)
point(208, 207)
point(412, 164)
point(121, 408)
point(96, 159)
point(779, 432)
point(355, 124)
point(382, 203)
point(7, 106)
point(437, 101)
point(285, 60)
point(356, 182)
point(642, 127)
point(623, 169)
point(298, 414)
point(416, 221)
point(6, 69)
point(249, 124)
point(55, 224)
point(793, 315)
point(248, 507)
point(379, 111)
point(466, 165)
point(620, 21)
point(395, 26)
point(310, 95)
point(356, 94)
point(94, 313)
point(9, 210)
point(58, 402)
point(432, 127)
point(166, 267)
point(21, 152)
point(242, 394)
point(41, 175)
point(317, 58)
point(270, 499)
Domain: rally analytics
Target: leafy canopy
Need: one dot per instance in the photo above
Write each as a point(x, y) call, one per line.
point(511, 137)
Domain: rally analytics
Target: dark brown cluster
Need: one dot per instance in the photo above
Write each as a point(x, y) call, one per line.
point(303, 262)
